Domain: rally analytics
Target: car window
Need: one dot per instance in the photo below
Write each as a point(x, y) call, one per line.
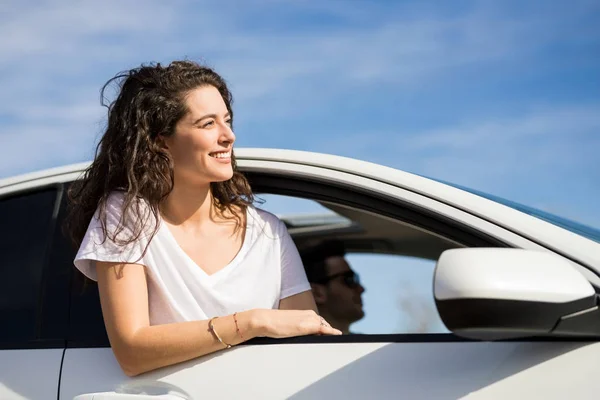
point(24, 235)
point(395, 265)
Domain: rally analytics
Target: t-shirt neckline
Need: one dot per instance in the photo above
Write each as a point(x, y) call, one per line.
point(225, 269)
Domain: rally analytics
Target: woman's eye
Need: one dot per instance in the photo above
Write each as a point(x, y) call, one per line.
point(228, 122)
point(209, 123)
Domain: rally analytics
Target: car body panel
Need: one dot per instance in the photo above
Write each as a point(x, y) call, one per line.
point(472, 370)
point(30, 373)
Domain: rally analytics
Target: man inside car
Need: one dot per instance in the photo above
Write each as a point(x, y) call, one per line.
point(336, 287)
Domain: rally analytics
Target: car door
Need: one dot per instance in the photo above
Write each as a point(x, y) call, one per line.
point(33, 296)
point(381, 365)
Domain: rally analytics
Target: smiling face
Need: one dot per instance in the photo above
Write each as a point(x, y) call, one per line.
point(203, 140)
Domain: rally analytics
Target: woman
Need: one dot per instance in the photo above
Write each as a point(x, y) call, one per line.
point(185, 264)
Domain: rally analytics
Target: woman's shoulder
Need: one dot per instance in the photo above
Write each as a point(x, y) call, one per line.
point(266, 221)
point(118, 212)
point(117, 197)
point(116, 201)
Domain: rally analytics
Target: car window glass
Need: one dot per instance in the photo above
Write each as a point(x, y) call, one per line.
point(396, 285)
point(24, 233)
point(398, 296)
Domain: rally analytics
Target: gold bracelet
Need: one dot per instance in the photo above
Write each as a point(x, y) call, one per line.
point(214, 332)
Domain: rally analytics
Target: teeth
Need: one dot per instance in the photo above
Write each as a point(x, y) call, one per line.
point(221, 155)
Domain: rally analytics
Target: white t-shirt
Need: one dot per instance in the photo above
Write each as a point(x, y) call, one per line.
point(267, 268)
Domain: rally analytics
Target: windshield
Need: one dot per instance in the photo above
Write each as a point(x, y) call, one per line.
point(576, 227)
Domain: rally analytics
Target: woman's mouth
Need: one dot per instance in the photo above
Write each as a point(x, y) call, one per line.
point(221, 155)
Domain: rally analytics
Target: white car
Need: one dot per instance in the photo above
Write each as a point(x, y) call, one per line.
point(517, 290)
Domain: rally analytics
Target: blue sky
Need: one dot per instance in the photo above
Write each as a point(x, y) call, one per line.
point(502, 96)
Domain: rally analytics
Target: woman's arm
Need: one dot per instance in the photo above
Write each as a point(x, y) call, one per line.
point(300, 301)
point(139, 347)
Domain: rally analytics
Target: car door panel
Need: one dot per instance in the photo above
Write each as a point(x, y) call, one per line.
point(474, 370)
point(29, 373)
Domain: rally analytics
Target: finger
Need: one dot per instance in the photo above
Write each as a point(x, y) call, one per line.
point(329, 330)
point(326, 329)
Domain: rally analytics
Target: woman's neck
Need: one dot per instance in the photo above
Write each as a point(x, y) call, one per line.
point(188, 205)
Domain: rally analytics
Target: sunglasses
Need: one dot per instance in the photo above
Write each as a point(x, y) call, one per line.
point(350, 278)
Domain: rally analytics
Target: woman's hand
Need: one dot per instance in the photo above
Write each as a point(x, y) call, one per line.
point(289, 323)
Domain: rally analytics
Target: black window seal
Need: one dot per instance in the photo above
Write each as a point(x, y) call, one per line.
point(403, 338)
point(365, 338)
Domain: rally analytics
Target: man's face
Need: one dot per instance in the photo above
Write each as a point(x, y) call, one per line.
point(342, 297)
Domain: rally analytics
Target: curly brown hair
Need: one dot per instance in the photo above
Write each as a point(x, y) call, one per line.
point(129, 156)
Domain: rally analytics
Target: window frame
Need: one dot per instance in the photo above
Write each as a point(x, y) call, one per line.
point(421, 217)
point(306, 188)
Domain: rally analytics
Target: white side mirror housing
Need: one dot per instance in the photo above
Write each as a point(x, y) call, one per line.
point(496, 293)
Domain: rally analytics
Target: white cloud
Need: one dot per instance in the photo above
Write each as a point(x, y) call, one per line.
point(53, 27)
point(552, 140)
point(565, 122)
point(48, 141)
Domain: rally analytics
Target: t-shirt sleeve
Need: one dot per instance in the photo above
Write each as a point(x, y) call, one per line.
point(98, 247)
point(293, 275)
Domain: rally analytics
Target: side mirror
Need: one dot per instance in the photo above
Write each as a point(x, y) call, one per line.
point(495, 293)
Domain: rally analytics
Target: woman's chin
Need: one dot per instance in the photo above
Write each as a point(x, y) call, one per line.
point(222, 177)
point(213, 175)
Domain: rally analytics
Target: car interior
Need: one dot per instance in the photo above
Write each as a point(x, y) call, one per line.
point(365, 232)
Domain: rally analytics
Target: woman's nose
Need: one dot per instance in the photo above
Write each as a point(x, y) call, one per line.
point(227, 134)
